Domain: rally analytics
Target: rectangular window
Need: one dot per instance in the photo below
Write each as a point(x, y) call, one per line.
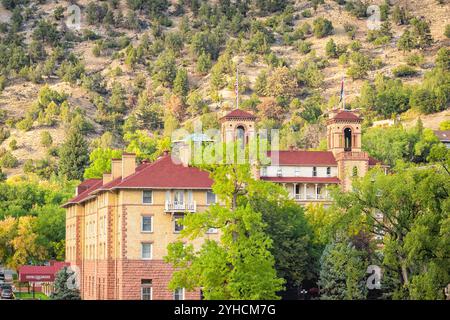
point(146, 289)
point(279, 172)
point(147, 196)
point(146, 251)
point(328, 171)
point(210, 197)
point(177, 226)
point(178, 198)
point(147, 224)
point(264, 171)
point(314, 172)
point(297, 172)
point(178, 294)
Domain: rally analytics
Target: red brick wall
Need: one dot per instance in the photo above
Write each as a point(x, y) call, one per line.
point(159, 272)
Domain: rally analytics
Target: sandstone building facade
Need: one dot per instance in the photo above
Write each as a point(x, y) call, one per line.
point(118, 227)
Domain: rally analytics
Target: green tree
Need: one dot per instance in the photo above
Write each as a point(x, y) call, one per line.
point(100, 162)
point(296, 256)
point(239, 265)
point(181, 83)
point(322, 27)
point(46, 139)
point(65, 286)
point(342, 272)
point(203, 63)
point(74, 156)
point(414, 206)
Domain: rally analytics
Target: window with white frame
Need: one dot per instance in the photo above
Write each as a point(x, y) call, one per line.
point(328, 171)
point(297, 172)
point(146, 250)
point(264, 171)
point(147, 196)
point(177, 226)
point(279, 172)
point(314, 172)
point(210, 197)
point(147, 224)
point(146, 289)
point(178, 294)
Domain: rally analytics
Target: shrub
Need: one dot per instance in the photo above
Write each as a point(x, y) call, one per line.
point(13, 144)
point(322, 27)
point(7, 160)
point(46, 139)
point(447, 31)
point(306, 13)
point(415, 59)
point(404, 71)
point(4, 134)
point(304, 47)
point(25, 124)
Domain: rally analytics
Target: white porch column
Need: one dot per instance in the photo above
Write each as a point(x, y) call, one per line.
point(317, 192)
point(294, 189)
point(304, 191)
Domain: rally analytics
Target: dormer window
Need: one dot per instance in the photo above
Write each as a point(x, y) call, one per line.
point(279, 172)
point(314, 172)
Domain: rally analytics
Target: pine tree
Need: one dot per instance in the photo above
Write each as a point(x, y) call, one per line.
point(62, 291)
point(181, 84)
point(331, 49)
point(406, 41)
point(74, 156)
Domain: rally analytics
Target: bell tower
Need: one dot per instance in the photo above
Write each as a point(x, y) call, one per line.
point(344, 140)
point(238, 125)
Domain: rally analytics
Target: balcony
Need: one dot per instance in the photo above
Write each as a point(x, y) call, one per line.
point(312, 197)
point(180, 206)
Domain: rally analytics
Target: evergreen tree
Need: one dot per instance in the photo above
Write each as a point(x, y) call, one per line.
point(181, 84)
point(342, 272)
point(62, 290)
point(331, 49)
point(74, 156)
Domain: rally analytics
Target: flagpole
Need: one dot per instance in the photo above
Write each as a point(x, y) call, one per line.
point(237, 87)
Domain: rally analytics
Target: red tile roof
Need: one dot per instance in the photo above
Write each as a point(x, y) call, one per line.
point(164, 173)
point(302, 157)
point(85, 194)
point(302, 179)
point(239, 114)
point(346, 115)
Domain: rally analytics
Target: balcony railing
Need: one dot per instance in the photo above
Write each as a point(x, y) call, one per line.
point(309, 196)
point(180, 206)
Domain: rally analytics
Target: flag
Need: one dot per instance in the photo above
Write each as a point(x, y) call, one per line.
point(342, 90)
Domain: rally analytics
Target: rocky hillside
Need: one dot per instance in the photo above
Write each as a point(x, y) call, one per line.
point(155, 65)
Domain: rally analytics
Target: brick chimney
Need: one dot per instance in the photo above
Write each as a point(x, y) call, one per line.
point(107, 177)
point(116, 168)
point(128, 164)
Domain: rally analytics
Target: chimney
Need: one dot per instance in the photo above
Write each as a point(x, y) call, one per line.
point(107, 177)
point(116, 168)
point(128, 164)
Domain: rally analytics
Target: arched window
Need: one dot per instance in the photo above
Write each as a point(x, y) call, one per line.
point(347, 139)
point(240, 136)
